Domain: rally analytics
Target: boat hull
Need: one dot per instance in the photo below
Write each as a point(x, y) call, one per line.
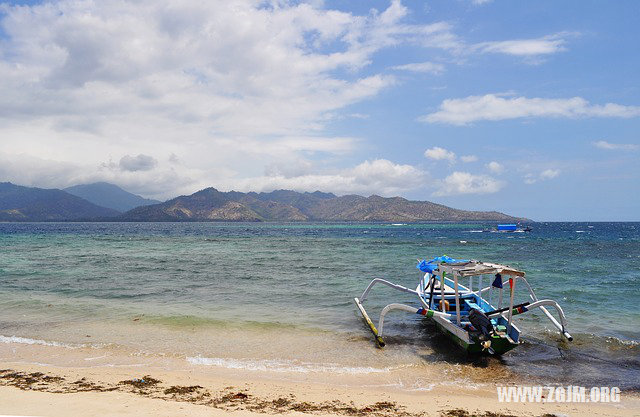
point(499, 345)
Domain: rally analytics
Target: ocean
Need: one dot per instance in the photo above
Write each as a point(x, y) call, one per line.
point(277, 299)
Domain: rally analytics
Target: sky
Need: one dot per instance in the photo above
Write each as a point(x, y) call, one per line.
point(528, 108)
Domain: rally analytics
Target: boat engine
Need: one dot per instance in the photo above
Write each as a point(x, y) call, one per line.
point(482, 323)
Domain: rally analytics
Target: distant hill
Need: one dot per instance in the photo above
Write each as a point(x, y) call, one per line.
point(19, 203)
point(284, 205)
point(109, 195)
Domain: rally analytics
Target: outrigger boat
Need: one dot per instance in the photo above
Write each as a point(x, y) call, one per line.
point(463, 314)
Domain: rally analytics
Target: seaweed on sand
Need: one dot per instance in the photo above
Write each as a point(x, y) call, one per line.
point(225, 399)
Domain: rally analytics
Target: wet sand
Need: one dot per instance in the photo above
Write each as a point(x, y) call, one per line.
point(332, 377)
point(46, 390)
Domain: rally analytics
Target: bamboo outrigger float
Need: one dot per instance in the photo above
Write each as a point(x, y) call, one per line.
point(460, 312)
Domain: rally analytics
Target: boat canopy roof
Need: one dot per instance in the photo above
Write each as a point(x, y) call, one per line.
point(473, 268)
point(467, 268)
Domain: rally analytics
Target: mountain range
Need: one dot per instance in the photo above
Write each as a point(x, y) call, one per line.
point(104, 201)
point(109, 195)
point(19, 203)
point(285, 205)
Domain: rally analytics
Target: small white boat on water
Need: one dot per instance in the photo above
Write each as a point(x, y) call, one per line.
point(466, 315)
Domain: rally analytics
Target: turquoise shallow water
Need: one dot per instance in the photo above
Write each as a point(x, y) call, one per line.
point(188, 279)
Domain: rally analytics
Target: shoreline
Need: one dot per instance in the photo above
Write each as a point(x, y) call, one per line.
point(47, 390)
point(270, 314)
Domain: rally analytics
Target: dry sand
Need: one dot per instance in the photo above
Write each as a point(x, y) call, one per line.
point(39, 390)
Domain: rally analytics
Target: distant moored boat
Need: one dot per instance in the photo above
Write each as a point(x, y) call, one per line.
point(513, 228)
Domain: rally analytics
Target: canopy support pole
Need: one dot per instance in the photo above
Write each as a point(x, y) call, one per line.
point(442, 291)
point(512, 285)
point(455, 288)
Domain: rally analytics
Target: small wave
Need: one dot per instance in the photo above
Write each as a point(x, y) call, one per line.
point(579, 231)
point(95, 358)
point(283, 366)
point(428, 387)
point(475, 231)
point(618, 341)
point(27, 341)
point(398, 224)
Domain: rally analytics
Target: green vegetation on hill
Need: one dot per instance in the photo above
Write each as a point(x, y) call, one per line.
point(284, 205)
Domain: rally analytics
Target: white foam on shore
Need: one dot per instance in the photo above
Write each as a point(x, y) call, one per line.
point(613, 339)
point(27, 341)
point(268, 365)
point(95, 358)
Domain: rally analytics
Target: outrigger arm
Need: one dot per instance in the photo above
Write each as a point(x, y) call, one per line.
point(387, 283)
point(524, 307)
point(377, 332)
point(421, 311)
point(359, 302)
point(561, 326)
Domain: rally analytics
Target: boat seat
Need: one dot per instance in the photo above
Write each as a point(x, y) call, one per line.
point(471, 304)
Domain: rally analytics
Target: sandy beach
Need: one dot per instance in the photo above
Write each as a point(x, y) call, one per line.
point(38, 390)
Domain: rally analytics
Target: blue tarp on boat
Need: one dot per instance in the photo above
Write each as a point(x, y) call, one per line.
point(432, 265)
point(507, 227)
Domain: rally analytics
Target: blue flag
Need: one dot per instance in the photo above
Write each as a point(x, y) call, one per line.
point(498, 281)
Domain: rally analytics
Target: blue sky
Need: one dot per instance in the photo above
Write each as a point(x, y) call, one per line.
point(530, 109)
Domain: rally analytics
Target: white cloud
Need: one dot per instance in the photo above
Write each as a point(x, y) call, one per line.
point(442, 36)
point(496, 107)
point(467, 183)
point(547, 174)
point(289, 145)
point(468, 158)
point(479, 2)
point(437, 153)
point(291, 168)
point(161, 182)
point(495, 167)
point(428, 67)
point(359, 116)
point(525, 47)
point(233, 85)
point(137, 163)
point(213, 92)
point(602, 144)
point(378, 176)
